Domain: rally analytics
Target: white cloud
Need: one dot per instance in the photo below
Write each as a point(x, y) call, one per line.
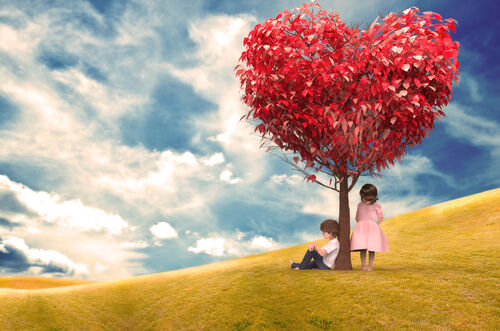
point(223, 138)
point(118, 262)
point(53, 229)
point(100, 268)
point(46, 258)
point(110, 103)
point(218, 38)
point(406, 174)
point(168, 168)
point(134, 244)
point(239, 235)
point(32, 230)
point(477, 130)
point(287, 179)
point(307, 236)
point(72, 214)
point(163, 230)
point(226, 176)
point(215, 159)
point(262, 242)
point(472, 86)
point(210, 246)
point(233, 244)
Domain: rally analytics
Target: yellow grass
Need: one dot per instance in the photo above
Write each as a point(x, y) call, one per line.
point(441, 274)
point(29, 283)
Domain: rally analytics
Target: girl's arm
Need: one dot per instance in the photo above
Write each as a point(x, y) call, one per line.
point(380, 215)
point(316, 247)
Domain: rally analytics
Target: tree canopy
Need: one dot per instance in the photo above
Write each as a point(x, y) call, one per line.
point(348, 100)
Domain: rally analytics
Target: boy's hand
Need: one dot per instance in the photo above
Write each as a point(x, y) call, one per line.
point(312, 247)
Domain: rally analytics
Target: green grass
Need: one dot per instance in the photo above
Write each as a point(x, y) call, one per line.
point(441, 274)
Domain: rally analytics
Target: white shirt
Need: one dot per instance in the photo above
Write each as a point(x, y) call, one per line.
point(332, 249)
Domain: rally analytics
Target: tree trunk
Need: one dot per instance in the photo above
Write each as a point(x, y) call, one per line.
point(344, 258)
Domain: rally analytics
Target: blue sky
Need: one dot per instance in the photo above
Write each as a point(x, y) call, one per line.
point(122, 154)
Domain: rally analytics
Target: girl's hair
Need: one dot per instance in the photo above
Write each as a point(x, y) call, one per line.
point(368, 193)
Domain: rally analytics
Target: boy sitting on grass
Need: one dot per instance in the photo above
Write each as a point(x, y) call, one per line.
point(321, 258)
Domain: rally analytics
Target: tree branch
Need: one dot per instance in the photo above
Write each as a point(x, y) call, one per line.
point(307, 174)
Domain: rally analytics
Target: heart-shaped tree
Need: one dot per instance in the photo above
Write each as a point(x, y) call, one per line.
point(343, 100)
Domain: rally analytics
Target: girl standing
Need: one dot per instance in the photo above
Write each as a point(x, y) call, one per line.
point(367, 234)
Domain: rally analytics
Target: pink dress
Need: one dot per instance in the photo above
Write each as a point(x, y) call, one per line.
point(367, 234)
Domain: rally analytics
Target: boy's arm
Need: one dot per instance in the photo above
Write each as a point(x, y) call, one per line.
point(316, 247)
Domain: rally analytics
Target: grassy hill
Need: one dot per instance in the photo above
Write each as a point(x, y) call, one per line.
point(29, 283)
point(441, 274)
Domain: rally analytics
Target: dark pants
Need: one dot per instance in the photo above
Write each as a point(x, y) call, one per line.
point(306, 263)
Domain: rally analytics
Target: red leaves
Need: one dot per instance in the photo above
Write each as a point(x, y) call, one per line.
point(434, 15)
point(343, 97)
point(311, 178)
point(305, 92)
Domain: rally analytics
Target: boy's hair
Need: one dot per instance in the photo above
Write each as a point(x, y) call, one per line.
point(369, 193)
point(331, 226)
